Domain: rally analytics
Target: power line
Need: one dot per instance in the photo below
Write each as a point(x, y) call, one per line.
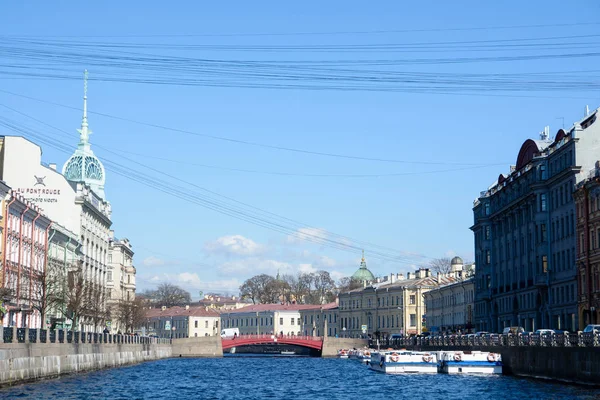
point(344, 243)
point(249, 143)
point(324, 33)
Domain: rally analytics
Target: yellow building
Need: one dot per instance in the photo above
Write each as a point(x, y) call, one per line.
point(388, 305)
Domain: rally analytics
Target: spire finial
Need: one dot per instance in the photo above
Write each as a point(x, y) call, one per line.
point(363, 255)
point(84, 131)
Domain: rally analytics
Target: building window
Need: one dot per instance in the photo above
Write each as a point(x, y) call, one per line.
point(280, 321)
point(412, 299)
point(488, 257)
point(292, 321)
point(109, 258)
point(543, 201)
point(413, 319)
point(544, 264)
point(195, 324)
point(543, 233)
point(206, 324)
point(487, 208)
point(109, 276)
point(487, 232)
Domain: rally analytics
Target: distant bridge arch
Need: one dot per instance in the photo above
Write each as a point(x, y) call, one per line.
point(312, 342)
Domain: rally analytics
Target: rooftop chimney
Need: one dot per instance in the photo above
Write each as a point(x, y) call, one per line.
point(427, 273)
point(392, 278)
point(400, 277)
point(409, 275)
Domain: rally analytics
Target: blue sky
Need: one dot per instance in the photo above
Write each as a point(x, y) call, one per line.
point(424, 213)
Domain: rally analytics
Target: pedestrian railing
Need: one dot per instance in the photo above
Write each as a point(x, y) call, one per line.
point(26, 335)
point(576, 339)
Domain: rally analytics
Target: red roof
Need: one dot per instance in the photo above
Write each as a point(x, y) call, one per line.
point(181, 311)
point(280, 307)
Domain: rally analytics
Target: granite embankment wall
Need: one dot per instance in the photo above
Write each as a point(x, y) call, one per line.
point(23, 362)
point(331, 345)
point(206, 346)
point(569, 364)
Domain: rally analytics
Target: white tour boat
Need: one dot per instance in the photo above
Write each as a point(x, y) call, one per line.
point(474, 362)
point(363, 355)
point(343, 353)
point(400, 362)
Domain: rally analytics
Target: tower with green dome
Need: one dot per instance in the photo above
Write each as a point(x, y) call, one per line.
point(363, 273)
point(84, 166)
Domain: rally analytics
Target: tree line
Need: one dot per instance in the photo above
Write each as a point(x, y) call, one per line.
point(304, 288)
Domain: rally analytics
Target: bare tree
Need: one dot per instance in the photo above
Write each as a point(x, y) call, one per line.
point(257, 289)
point(440, 265)
point(323, 288)
point(94, 304)
point(68, 295)
point(347, 284)
point(169, 295)
point(130, 313)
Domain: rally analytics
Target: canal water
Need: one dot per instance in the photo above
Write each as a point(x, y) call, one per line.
point(284, 378)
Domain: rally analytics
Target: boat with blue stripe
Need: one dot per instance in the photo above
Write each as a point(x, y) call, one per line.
point(469, 362)
point(401, 362)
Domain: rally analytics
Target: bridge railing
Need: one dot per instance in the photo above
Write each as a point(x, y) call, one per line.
point(576, 339)
point(273, 337)
point(26, 335)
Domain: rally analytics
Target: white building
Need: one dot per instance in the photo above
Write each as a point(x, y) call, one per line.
point(121, 272)
point(257, 319)
point(120, 281)
point(450, 307)
point(76, 200)
point(182, 322)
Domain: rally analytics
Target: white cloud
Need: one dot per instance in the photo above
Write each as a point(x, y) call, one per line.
point(304, 235)
point(152, 261)
point(306, 268)
point(450, 253)
point(192, 282)
point(326, 262)
point(234, 244)
point(337, 275)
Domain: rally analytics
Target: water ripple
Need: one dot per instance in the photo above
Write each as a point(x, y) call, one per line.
point(284, 378)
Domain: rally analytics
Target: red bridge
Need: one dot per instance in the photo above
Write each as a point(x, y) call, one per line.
point(313, 342)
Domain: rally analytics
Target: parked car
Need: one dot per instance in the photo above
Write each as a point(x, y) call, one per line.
point(513, 330)
point(542, 332)
point(592, 329)
point(482, 333)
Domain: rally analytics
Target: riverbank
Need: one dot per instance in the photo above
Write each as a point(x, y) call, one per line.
point(26, 362)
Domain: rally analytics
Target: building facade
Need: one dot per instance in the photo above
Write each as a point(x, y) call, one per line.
point(272, 319)
point(450, 307)
point(24, 253)
point(121, 272)
point(182, 322)
point(390, 305)
point(321, 320)
point(120, 279)
point(220, 302)
point(587, 204)
point(75, 200)
point(525, 239)
point(64, 257)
